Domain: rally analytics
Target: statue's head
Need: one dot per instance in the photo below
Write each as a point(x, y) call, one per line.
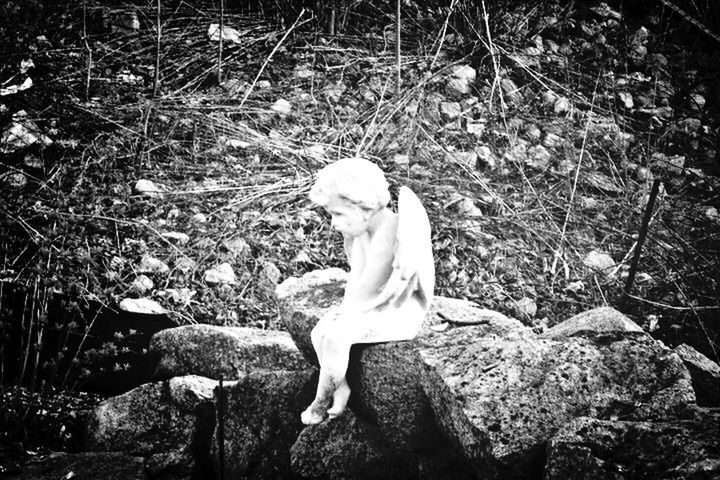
point(351, 190)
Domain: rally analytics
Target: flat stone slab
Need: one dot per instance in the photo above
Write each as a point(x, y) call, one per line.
point(228, 352)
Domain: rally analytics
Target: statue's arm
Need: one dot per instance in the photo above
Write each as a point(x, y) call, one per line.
point(361, 291)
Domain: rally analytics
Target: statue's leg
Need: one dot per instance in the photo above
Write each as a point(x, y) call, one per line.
point(335, 354)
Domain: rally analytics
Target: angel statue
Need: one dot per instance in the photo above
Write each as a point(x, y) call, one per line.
point(391, 279)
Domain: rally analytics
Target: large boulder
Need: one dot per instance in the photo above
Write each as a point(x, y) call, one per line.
point(589, 448)
point(169, 423)
point(705, 375)
point(384, 378)
point(86, 466)
point(261, 421)
point(501, 399)
point(348, 448)
point(228, 352)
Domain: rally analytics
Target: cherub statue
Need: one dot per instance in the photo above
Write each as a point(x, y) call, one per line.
point(392, 274)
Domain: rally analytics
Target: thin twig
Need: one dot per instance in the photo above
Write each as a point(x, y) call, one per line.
point(267, 60)
point(558, 250)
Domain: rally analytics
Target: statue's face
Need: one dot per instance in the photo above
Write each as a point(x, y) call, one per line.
point(347, 218)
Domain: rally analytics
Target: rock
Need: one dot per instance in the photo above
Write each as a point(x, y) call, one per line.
point(486, 159)
point(401, 159)
point(149, 188)
point(303, 72)
point(466, 206)
point(85, 466)
point(281, 106)
point(15, 180)
point(673, 164)
point(461, 80)
point(562, 105)
point(548, 98)
point(502, 398)
point(599, 261)
point(538, 157)
point(271, 272)
point(199, 218)
point(526, 307)
point(464, 72)
point(221, 274)
point(19, 135)
point(603, 320)
point(168, 422)
point(552, 140)
point(348, 448)
point(696, 102)
point(262, 422)
point(236, 246)
point(604, 449)
point(450, 110)
point(626, 100)
point(142, 305)
point(229, 34)
point(176, 237)
point(457, 86)
point(705, 375)
point(152, 265)
point(142, 284)
point(603, 183)
point(711, 213)
point(533, 132)
point(227, 352)
point(476, 128)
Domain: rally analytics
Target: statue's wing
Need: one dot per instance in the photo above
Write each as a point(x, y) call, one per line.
point(413, 268)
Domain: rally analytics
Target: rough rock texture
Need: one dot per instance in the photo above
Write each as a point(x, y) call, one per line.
point(705, 375)
point(228, 352)
point(594, 449)
point(85, 466)
point(261, 423)
point(384, 378)
point(170, 423)
point(598, 320)
point(347, 448)
point(501, 399)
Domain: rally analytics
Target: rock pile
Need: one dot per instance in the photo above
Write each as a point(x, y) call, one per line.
point(476, 395)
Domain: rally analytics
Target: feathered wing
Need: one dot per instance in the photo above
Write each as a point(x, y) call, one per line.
point(413, 266)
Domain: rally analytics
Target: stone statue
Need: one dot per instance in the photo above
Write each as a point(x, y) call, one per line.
point(392, 274)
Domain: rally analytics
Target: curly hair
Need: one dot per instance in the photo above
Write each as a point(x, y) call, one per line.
point(357, 180)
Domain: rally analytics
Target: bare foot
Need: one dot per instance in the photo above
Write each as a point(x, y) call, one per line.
point(340, 400)
point(313, 415)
